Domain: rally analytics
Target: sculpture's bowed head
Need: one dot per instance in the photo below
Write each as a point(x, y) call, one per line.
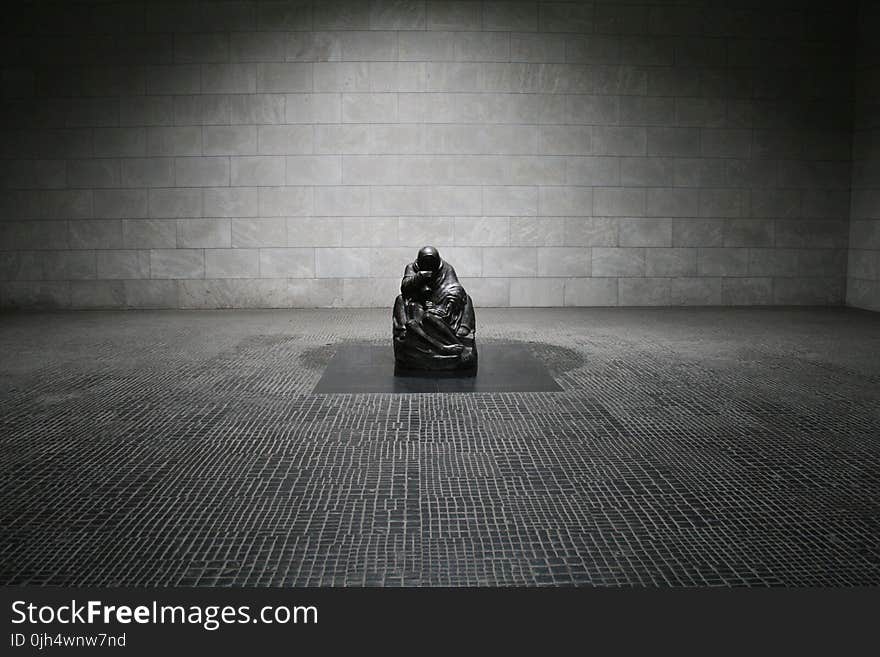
point(428, 259)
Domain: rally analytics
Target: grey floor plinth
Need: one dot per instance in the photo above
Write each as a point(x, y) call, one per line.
point(371, 368)
point(685, 447)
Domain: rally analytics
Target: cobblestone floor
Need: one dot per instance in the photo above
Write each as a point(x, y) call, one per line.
point(688, 447)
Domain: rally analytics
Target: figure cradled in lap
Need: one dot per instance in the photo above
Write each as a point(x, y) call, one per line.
point(433, 319)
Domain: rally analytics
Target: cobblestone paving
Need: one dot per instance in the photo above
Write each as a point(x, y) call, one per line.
point(688, 447)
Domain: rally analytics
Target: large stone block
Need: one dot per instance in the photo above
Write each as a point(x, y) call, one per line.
point(488, 292)
point(670, 141)
point(233, 293)
point(201, 171)
point(593, 171)
point(482, 231)
point(120, 142)
point(203, 233)
point(468, 259)
point(389, 262)
point(207, 47)
point(696, 291)
point(69, 265)
point(369, 108)
point(722, 262)
point(342, 201)
point(174, 79)
point(398, 200)
point(231, 201)
point(811, 291)
point(510, 200)
point(698, 232)
point(590, 292)
point(230, 140)
point(65, 204)
point(285, 139)
point(670, 202)
point(567, 261)
point(314, 170)
point(351, 262)
point(671, 262)
point(369, 46)
point(293, 201)
point(370, 292)
point(149, 233)
point(747, 291)
point(537, 231)
point(341, 139)
point(618, 261)
point(619, 140)
point(173, 202)
point(644, 232)
point(590, 231)
point(256, 108)
point(20, 266)
point(369, 231)
point(262, 231)
point(150, 294)
point(177, 263)
point(454, 15)
point(315, 292)
point(418, 231)
point(146, 111)
point(120, 203)
point(101, 172)
point(396, 138)
point(147, 172)
point(178, 140)
point(232, 263)
point(646, 172)
point(314, 231)
point(257, 46)
point(748, 232)
point(566, 140)
point(565, 201)
point(258, 170)
point(644, 291)
point(619, 202)
point(97, 294)
point(123, 264)
point(277, 77)
point(312, 47)
point(95, 234)
point(342, 76)
point(36, 294)
point(537, 292)
point(426, 46)
point(230, 79)
point(507, 261)
point(287, 263)
point(455, 200)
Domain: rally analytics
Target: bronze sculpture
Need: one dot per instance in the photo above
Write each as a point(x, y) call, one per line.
point(433, 318)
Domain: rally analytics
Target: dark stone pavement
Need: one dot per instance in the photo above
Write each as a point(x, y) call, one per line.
point(687, 447)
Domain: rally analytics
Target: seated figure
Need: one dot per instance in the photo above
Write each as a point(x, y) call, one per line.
point(433, 318)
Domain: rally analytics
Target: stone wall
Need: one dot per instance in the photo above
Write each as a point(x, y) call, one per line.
point(275, 154)
point(863, 282)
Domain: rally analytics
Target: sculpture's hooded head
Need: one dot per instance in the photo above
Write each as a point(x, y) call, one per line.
point(428, 259)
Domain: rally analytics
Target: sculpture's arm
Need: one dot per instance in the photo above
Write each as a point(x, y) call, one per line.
point(453, 295)
point(442, 309)
point(412, 283)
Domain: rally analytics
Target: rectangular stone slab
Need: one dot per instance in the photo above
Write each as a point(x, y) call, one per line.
point(367, 368)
